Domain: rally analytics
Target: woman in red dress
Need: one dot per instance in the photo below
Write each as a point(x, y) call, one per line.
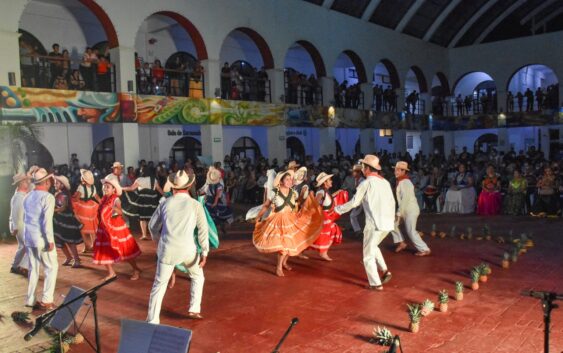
point(490, 199)
point(85, 203)
point(114, 243)
point(331, 232)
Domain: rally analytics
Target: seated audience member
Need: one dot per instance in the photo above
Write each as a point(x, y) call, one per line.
point(490, 199)
point(460, 197)
point(515, 199)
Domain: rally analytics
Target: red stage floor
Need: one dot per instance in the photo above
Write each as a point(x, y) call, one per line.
point(247, 308)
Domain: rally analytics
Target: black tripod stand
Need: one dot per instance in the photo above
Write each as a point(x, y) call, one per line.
point(547, 299)
point(294, 322)
point(44, 319)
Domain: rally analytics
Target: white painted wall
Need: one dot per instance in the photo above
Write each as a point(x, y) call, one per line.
point(348, 139)
point(232, 133)
point(310, 137)
point(299, 59)
point(239, 46)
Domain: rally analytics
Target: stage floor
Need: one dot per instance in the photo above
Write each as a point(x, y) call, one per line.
point(247, 308)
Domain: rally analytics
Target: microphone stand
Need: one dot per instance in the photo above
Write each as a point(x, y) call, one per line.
point(294, 322)
point(42, 320)
point(547, 299)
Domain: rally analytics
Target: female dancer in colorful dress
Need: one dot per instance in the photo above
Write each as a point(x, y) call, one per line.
point(287, 230)
point(215, 200)
point(66, 227)
point(85, 202)
point(515, 199)
point(148, 195)
point(114, 242)
point(490, 199)
point(331, 232)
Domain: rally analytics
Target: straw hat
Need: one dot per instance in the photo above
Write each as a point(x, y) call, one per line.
point(321, 178)
point(182, 180)
point(300, 175)
point(32, 170)
point(113, 182)
point(372, 161)
point(87, 176)
point(41, 175)
point(63, 180)
point(402, 165)
point(19, 177)
point(293, 165)
point(117, 165)
point(213, 176)
point(169, 182)
point(280, 175)
point(356, 168)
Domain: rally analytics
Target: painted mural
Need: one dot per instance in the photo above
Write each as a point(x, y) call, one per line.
point(57, 106)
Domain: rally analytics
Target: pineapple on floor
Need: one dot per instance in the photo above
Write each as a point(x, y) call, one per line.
point(383, 336)
point(458, 290)
point(506, 260)
point(443, 298)
point(427, 307)
point(415, 314)
point(475, 279)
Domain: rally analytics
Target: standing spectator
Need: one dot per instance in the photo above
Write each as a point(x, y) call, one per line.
point(76, 81)
point(509, 102)
point(520, 99)
point(529, 100)
point(65, 64)
point(56, 64)
point(103, 73)
point(157, 77)
point(467, 102)
point(145, 78)
point(539, 98)
point(175, 73)
point(225, 81)
point(86, 68)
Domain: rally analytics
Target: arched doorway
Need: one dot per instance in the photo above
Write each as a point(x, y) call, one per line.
point(184, 149)
point(37, 154)
point(415, 83)
point(349, 72)
point(29, 46)
point(477, 91)
point(90, 24)
point(246, 147)
point(182, 76)
point(104, 153)
point(295, 149)
point(303, 63)
point(541, 82)
point(486, 142)
point(440, 93)
point(385, 81)
point(246, 45)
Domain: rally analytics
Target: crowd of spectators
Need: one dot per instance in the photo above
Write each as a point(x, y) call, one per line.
point(348, 96)
point(93, 72)
point(384, 100)
point(527, 182)
point(242, 81)
point(533, 100)
point(300, 89)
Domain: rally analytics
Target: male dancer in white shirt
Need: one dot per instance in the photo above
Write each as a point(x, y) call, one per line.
point(39, 206)
point(376, 197)
point(21, 260)
point(408, 211)
point(172, 227)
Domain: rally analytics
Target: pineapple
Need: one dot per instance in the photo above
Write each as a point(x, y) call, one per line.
point(483, 272)
point(442, 235)
point(506, 260)
point(414, 315)
point(427, 307)
point(383, 336)
point(443, 298)
point(433, 233)
point(529, 242)
point(77, 339)
point(521, 248)
point(487, 232)
point(475, 279)
point(469, 233)
point(514, 255)
point(21, 317)
point(458, 290)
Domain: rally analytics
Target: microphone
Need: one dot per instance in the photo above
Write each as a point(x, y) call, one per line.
point(294, 321)
point(541, 295)
point(394, 344)
point(36, 328)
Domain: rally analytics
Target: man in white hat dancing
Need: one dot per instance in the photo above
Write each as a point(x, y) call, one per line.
point(376, 197)
point(39, 206)
point(408, 211)
point(21, 260)
point(172, 227)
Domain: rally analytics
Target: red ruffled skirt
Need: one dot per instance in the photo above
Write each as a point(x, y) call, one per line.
point(87, 213)
point(489, 203)
point(331, 232)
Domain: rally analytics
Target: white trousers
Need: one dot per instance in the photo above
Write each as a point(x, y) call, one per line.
point(373, 258)
point(410, 227)
point(21, 259)
point(162, 276)
point(356, 212)
point(47, 259)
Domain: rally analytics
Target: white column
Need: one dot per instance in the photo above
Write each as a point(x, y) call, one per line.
point(427, 99)
point(426, 142)
point(9, 57)
point(503, 141)
point(124, 60)
point(367, 89)
point(501, 100)
point(327, 84)
point(276, 85)
point(399, 141)
point(212, 142)
point(367, 141)
point(212, 77)
point(327, 138)
point(277, 146)
point(545, 142)
point(126, 138)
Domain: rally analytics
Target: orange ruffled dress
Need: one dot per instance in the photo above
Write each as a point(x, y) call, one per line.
point(286, 230)
point(331, 232)
point(114, 242)
point(86, 208)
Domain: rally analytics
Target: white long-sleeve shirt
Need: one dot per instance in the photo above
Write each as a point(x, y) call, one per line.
point(172, 226)
point(376, 196)
point(406, 198)
point(39, 207)
point(16, 212)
